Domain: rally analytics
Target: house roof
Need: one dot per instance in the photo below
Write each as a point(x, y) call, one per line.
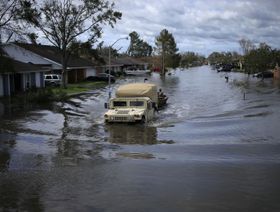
point(8, 65)
point(53, 53)
point(126, 61)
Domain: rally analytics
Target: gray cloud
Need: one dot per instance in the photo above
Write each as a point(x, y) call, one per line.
point(202, 26)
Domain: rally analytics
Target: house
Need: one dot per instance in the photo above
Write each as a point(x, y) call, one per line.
point(132, 63)
point(16, 76)
point(77, 68)
point(123, 63)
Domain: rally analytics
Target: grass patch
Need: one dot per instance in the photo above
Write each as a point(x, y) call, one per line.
point(50, 94)
point(78, 88)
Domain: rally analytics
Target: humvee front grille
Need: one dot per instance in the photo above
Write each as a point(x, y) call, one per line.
point(123, 112)
point(120, 118)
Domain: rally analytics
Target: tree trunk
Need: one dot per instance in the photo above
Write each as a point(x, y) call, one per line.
point(64, 68)
point(163, 61)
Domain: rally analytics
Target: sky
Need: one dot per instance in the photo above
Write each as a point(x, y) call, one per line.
point(201, 26)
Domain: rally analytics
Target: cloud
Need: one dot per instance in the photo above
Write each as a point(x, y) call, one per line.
point(202, 26)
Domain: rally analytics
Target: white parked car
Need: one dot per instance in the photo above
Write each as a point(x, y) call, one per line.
point(53, 79)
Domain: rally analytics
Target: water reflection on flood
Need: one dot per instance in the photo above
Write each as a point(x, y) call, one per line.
point(210, 149)
point(133, 134)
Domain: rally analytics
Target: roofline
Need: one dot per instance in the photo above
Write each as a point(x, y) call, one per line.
point(79, 67)
point(23, 72)
point(45, 58)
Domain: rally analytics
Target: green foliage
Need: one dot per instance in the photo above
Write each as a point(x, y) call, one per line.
point(27, 11)
point(103, 52)
point(138, 47)
point(11, 18)
point(223, 58)
point(165, 42)
point(76, 88)
point(167, 47)
point(64, 21)
point(40, 95)
point(85, 50)
point(261, 59)
point(190, 59)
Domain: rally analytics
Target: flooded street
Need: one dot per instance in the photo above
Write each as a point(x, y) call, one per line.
point(215, 147)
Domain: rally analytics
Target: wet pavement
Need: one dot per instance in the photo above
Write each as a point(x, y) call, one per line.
point(215, 147)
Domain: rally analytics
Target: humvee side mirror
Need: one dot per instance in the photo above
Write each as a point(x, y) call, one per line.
point(106, 105)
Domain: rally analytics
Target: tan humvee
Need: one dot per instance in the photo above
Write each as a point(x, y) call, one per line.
point(136, 102)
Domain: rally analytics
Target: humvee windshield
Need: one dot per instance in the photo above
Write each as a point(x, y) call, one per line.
point(136, 103)
point(119, 103)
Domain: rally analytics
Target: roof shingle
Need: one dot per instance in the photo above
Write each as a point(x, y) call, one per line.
point(54, 54)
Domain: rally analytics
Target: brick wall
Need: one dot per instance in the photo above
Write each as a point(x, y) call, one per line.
point(276, 73)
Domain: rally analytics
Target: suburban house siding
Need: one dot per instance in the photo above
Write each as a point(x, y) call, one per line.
point(1, 86)
point(21, 77)
point(6, 83)
point(17, 82)
point(33, 80)
point(37, 80)
point(42, 81)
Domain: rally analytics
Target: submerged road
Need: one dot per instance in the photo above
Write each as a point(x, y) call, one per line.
point(208, 150)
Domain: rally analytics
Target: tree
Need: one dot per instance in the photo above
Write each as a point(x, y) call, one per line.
point(11, 19)
point(246, 46)
point(138, 47)
point(190, 59)
point(223, 58)
point(64, 21)
point(260, 59)
point(86, 50)
point(166, 46)
point(81, 49)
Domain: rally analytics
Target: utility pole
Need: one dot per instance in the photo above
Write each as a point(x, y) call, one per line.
point(109, 78)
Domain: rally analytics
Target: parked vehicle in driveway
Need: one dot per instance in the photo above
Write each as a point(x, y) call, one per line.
point(52, 79)
point(101, 77)
point(225, 68)
point(265, 74)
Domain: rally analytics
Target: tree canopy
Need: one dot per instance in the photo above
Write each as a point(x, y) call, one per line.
point(260, 59)
point(11, 20)
point(64, 21)
point(190, 59)
point(223, 57)
point(246, 45)
point(138, 47)
point(86, 50)
point(167, 48)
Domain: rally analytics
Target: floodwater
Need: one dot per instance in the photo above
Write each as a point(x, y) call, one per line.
point(215, 147)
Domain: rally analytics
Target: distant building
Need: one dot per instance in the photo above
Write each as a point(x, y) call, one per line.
point(123, 63)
